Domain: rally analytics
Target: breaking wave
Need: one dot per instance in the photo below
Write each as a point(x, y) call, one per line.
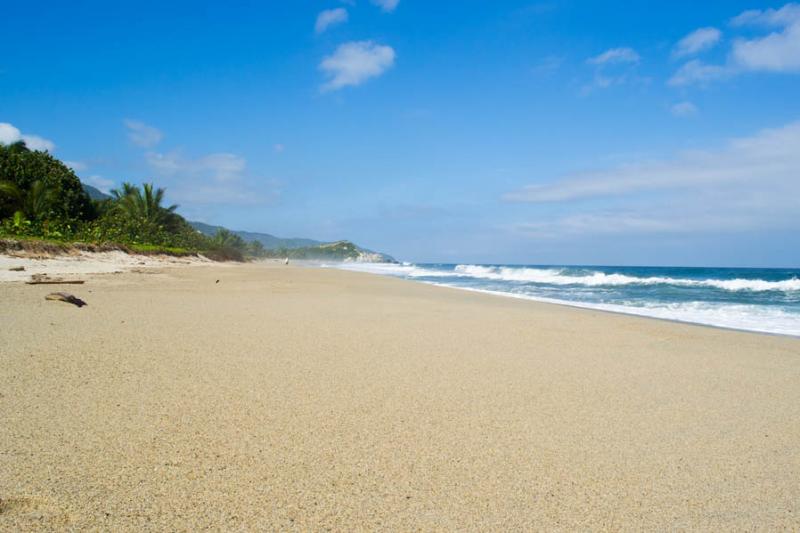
point(599, 279)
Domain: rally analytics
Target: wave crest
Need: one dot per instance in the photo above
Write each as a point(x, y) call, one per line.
point(552, 276)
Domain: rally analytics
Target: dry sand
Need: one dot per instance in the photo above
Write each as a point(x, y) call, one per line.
point(296, 398)
point(78, 264)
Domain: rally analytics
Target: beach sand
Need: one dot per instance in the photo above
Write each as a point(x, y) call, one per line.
point(312, 399)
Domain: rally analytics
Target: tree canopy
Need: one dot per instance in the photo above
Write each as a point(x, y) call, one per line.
point(23, 167)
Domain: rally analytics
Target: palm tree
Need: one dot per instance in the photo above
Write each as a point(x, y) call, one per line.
point(256, 248)
point(227, 239)
point(34, 204)
point(144, 204)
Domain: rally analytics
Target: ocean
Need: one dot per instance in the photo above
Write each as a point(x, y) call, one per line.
point(753, 299)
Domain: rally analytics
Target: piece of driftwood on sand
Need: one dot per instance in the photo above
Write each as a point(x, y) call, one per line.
point(44, 279)
point(65, 297)
point(56, 282)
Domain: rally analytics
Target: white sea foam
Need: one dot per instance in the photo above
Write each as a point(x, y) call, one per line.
point(751, 317)
point(405, 269)
point(556, 276)
point(553, 276)
point(734, 316)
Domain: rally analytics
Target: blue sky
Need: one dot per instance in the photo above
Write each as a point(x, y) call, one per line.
point(453, 131)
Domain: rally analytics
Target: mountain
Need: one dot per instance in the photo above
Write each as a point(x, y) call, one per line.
point(95, 193)
point(269, 241)
point(334, 251)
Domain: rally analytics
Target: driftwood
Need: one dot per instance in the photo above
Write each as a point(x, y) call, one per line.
point(65, 297)
point(44, 279)
point(17, 269)
point(56, 282)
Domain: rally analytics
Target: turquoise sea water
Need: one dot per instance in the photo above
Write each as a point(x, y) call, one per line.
point(766, 300)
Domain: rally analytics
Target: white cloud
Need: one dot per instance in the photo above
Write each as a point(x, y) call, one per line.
point(220, 167)
point(749, 183)
point(76, 166)
point(218, 178)
point(548, 65)
point(330, 17)
point(386, 5)
point(355, 62)
point(683, 109)
point(9, 135)
point(635, 221)
point(615, 56)
point(141, 134)
point(34, 142)
point(770, 156)
point(786, 15)
point(616, 66)
point(697, 41)
point(204, 194)
point(779, 51)
point(695, 72)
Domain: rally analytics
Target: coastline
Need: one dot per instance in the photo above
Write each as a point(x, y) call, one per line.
point(301, 398)
point(748, 313)
point(598, 307)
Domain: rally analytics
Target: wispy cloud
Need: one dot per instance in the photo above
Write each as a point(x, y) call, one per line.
point(197, 182)
point(10, 134)
point(786, 15)
point(769, 156)
point(683, 109)
point(696, 72)
point(548, 65)
point(218, 178)
point(103, 184)
point(220, 167)
point(386, 5)
point(615, 56)
point(355, 62)
point(77, 166)
point(749, 183)
point(778, 51)
point(698, 41)
point(615, 66)
point(142, 134)
point(330, 17)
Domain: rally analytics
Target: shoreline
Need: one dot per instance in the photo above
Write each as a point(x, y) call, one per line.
point(628, 310)
point(87, 263)
point(589, 306)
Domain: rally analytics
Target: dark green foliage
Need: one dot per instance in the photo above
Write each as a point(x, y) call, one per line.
point(35, 204)
point(256, 249)
point(23, 167)
point(144, 206)
point(42, 198)
point(227, 246)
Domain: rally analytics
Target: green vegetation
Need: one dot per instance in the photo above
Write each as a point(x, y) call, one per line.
point(334, 251)
point(41, 198)
point(43, 201)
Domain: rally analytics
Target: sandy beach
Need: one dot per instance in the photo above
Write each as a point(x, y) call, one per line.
point(284, 398)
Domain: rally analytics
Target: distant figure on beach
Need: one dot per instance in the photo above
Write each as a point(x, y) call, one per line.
point(286, 262)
